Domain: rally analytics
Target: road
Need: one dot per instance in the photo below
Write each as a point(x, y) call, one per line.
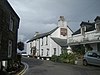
point(43, 67)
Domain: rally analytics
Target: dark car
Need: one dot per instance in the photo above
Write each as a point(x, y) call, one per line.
point(91, 57)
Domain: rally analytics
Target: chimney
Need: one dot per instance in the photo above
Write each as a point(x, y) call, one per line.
point(36, 33)
point(62, 18)
point(88, 21)
point(62, 22)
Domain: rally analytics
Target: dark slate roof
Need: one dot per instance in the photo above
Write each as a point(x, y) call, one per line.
point(98, 17)
point(61, 42)
point(77, 32)
point(70, 28)
point(86, 24)
point(89, 27)
point(42, 35)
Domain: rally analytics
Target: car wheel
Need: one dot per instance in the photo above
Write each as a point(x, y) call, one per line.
point(85, 63)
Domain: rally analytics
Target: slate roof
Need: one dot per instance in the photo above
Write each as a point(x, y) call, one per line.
point(70, 28)
point(61, 42)
point(42, 35)
point(86, 23)
point(98, 17)
point(77, 32)
point(89, 27)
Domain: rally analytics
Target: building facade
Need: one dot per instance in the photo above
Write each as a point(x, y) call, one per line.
point(9, 24)
point(88, 35)
point(50, 43)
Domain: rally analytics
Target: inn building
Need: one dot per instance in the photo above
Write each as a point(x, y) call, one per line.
point(50, 43)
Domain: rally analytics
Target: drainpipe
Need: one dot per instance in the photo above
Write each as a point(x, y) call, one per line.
point(39, 48)
point(85, 48)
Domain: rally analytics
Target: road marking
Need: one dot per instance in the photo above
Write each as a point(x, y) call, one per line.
point(24, 70)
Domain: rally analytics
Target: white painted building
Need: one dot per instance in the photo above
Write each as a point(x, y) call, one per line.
point(51, 43)
point(88, 34)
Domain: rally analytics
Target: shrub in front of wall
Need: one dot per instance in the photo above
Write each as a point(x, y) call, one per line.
point(71, 58)
point(67, 58)
point(54, 58)
point(63, 57)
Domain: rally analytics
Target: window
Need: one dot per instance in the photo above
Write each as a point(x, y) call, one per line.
point(0, 41)
point(47, 52)
point(47, 40)
point(42, 42)
point(42, 52)
point(89, 54)
point(63, 31)
point(92, 54)
point(31, 45)
point(9, 48)
point(11, 26)
point(35, 42)
point(54, 51)
point(98, 27)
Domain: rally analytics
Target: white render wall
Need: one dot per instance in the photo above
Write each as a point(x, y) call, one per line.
point(56, 33)
point(28, 49)
point(54, 45)
point(90, 36)
point(44, 46)
point(69, 33)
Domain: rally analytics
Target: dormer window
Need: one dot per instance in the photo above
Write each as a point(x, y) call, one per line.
point(97, 23)
point(83, 29)
point(98, 26)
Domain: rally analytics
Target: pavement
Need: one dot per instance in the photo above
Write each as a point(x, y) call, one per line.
point(79, 62)
point(24, 70)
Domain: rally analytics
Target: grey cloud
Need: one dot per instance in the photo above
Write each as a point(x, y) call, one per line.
point(42, 15)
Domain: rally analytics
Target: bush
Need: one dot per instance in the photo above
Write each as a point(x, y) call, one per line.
point(54, 58)
point(64, 58)
point(71, 58)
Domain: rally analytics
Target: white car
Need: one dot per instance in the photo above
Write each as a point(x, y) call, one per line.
point(24, 54)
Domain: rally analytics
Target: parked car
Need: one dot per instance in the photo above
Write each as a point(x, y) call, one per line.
point(24, 54)
point(91, 57)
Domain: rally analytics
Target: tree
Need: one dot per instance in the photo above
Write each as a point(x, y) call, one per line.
point(20, 45)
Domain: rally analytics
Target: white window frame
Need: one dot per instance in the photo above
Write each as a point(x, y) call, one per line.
point(42, 42)
point(55, 51)
point(30, 44)
point(47, 51)
point(11, 26)
point(98, 26)
point(0, 40)
point(46, 40)
point(42, 52)
point(83, 29)
point(10, 48)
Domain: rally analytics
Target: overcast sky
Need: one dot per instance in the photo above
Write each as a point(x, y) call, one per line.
point(43, 15)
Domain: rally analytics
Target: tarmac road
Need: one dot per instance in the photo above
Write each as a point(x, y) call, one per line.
point(43, 67)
